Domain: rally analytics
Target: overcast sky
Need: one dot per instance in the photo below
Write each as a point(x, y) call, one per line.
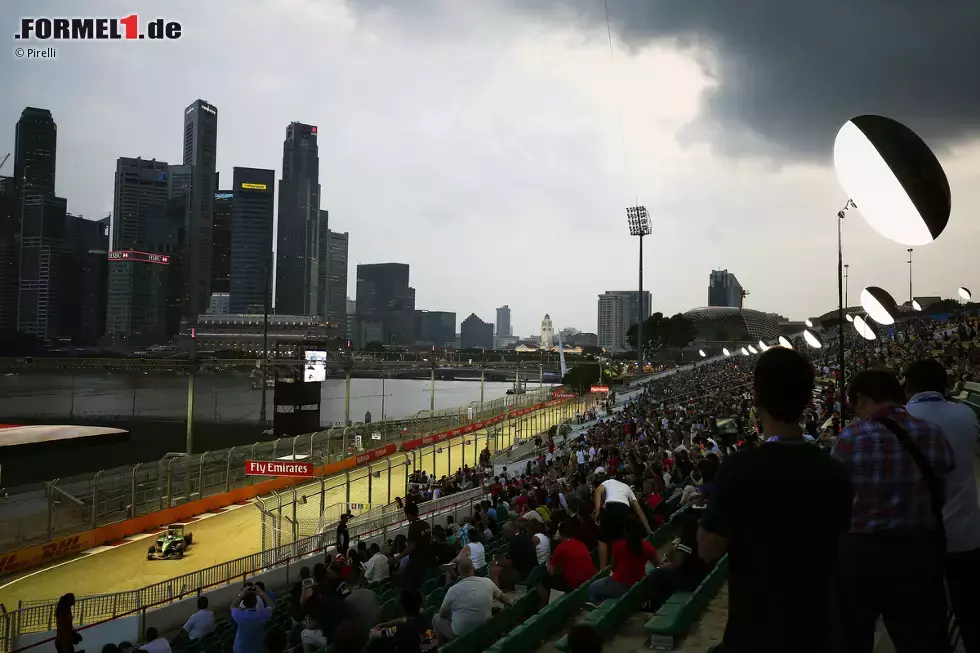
point(480, 141)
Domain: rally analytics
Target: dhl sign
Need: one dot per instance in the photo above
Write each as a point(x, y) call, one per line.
point(36, 555)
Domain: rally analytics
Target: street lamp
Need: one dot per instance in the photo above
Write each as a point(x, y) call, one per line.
point(783, 342)
point(703, 355)
point(640, 226)
point(910, 274)
point(745, 352)
point(763, 346)
point(725, 351)
point(881, 306)
point(753, 350)
point(965, 294)
point(809, 323)
point(812, 339)
point(849, 317)
point(916, 305)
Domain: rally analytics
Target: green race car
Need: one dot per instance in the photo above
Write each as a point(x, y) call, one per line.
point(170, 545)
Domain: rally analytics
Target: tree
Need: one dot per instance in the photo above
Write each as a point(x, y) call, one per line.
point(661, 332)
point(581, 377)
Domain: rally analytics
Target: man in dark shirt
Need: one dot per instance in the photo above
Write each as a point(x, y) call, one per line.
point(520, 561)
point(779, 510)
point(419, 551)
point(343, 535)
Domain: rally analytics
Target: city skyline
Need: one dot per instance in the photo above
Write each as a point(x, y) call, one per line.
point(717, 175)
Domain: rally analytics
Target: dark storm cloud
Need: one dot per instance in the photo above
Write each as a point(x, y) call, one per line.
point(791, 72)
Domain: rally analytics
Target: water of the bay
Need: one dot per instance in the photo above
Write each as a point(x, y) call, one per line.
point(220, 398)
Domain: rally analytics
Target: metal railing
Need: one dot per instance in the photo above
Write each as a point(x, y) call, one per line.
point(66, 506)
point(38, 616)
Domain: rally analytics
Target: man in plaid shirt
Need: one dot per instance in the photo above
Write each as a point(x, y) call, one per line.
point(892, 556)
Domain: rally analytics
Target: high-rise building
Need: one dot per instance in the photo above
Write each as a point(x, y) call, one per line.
point(385, 304)
point(351, 322)
point(9, 251)
point(503, 324)
point(298, 244)
point(200, 151)
point(633, 306)
point(435, 329)
point(45, 256)
point(140, 187)
point(253, 206)
point(474, 333)
point(334, 263)
point(86, 282)
point(221, 245)
point(36, 142)
point(547, 333)
point(136, 314)
point(613, 323)
point(724, 289)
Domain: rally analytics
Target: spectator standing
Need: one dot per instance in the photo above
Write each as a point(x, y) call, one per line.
point(343, 534)
point(65, 636)
point(614, 500)
point(778, 510)
point(468, 604)
point(892, 557)
point(419, 550)
point(925, 387)
point(250, 619)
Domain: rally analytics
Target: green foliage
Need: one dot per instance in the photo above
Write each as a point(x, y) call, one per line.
point(661, 332)
point(581, 377)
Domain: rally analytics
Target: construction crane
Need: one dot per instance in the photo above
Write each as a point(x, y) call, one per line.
point(4, 160)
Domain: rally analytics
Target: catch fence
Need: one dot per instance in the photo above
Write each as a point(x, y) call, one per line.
point(65, 506)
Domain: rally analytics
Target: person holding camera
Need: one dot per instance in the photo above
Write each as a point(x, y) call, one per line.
point(250, 618)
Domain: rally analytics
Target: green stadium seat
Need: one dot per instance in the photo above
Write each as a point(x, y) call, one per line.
point(675, 618)
point(389, 610)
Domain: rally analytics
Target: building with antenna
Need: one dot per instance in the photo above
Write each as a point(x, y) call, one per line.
point(724, 289)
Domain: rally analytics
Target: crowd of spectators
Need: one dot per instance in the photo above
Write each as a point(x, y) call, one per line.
point(831, 516)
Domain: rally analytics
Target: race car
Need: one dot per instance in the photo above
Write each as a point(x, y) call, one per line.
point(170, 545)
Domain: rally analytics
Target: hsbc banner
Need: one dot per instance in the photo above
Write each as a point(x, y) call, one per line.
point(374, 454)
point(294, 468)
point(476, 426)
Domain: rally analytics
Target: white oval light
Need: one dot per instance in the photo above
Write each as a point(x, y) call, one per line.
point(783, 342)
point(745, 352)
point(849, 317)
point(753, 350)
point(701, 351)
point(725, 351)
point(763, 346)
point(965, 294)
point(812, 339)
point(894, 179)
point(864, 329)
point(877, 303)
point(916, 305)
point(809, 323)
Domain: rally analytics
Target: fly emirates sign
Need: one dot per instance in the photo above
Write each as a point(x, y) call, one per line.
point(278, 468)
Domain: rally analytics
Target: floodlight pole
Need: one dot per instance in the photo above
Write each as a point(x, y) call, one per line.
point(910, 277)
point(639, 319)
point(840, 307)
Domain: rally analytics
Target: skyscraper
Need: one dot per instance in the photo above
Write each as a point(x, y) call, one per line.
point(136, 312)
point(200, 151)
point(613, 323)
point(474, 333)
point(251, 239)
point(334, 263)
point(140, 186)
point(86, 281)
point(35, 152)
point(44, 258)
point(724, 289)
point(385, 304)
point(9, 254)
point(435, 329)
point(632, 314)
point(503, 323)
point(221, 245)
point(297, 251)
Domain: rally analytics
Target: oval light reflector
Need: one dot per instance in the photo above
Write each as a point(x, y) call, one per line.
point(809, 323)
point(763, 346)
point(864, 329)
point(965, 294)
point(849, 317)
point(725, 351)
point(701, 351)
point(753, 350)
point(783, 342)
point(895, 180)
point(745, 352)
point(812, 339)
point(877, 303)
